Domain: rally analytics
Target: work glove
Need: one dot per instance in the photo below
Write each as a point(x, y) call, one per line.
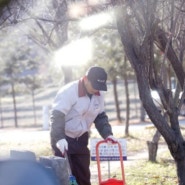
point(62, 145)
point(111, 139)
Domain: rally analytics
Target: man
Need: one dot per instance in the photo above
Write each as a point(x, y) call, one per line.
point(76, 106)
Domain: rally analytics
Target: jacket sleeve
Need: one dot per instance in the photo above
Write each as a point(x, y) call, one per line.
point(102, 125)
point(57, 122)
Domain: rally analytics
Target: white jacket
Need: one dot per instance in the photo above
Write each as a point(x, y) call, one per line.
point(80, 111)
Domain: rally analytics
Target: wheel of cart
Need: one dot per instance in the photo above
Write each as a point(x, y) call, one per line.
point(114, 180)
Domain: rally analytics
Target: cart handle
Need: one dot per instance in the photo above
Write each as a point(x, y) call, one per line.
point(98, 158)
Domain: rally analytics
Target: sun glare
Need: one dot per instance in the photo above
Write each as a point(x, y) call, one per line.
point(96, 2)
point(76, 10)
point(74, 54)
point(95, 21)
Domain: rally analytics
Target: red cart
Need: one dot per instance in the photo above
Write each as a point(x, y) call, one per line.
point(110, 181)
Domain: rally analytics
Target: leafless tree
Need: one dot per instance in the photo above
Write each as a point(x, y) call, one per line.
point(147, 27)
point(37, 25)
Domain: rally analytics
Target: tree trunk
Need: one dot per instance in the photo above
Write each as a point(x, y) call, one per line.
point(162, 41)
point(142, 113)
point(139, 49)
point(180, 171)
point(1, 114)
point(178, 152)
point(152, 150)
point(136, 98)
point(34, 108)
point(153, 146)
point(14, 105)
point(67, 71)
point(116, 99)
point(127, 105)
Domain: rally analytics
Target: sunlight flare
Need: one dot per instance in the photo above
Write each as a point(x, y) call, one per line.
point(74, 54)
point(76, 10)
point(95, 21)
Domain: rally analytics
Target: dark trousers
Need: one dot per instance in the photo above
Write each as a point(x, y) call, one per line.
point(80, 168)
point(79, 158)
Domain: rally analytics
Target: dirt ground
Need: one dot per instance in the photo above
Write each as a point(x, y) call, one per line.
point(34, 139)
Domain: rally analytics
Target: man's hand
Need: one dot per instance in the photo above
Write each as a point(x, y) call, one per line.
point(111, 139)
point(62, 145)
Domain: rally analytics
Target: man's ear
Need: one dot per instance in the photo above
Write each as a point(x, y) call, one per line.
point(86, 79)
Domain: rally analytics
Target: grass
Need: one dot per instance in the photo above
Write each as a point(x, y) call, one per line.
point(141, 171)
point(151, 173)
point(35, 140)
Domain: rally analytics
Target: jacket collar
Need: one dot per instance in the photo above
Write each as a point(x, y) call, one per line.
point(81, 89)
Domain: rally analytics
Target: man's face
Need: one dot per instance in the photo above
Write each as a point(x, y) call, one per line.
point(90, 88)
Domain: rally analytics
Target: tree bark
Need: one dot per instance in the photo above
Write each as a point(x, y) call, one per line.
point(116, 99)
point(1, 114)
point(161, 42)
point(142, 113)
point(67, 71)
point(127, 105)
point(180, 171)
point(152, 150)
point(33, 105)
point(141, 58)
point(14, 105)
point(153, 146)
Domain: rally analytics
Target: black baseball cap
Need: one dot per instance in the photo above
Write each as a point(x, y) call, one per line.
point(98, 77)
